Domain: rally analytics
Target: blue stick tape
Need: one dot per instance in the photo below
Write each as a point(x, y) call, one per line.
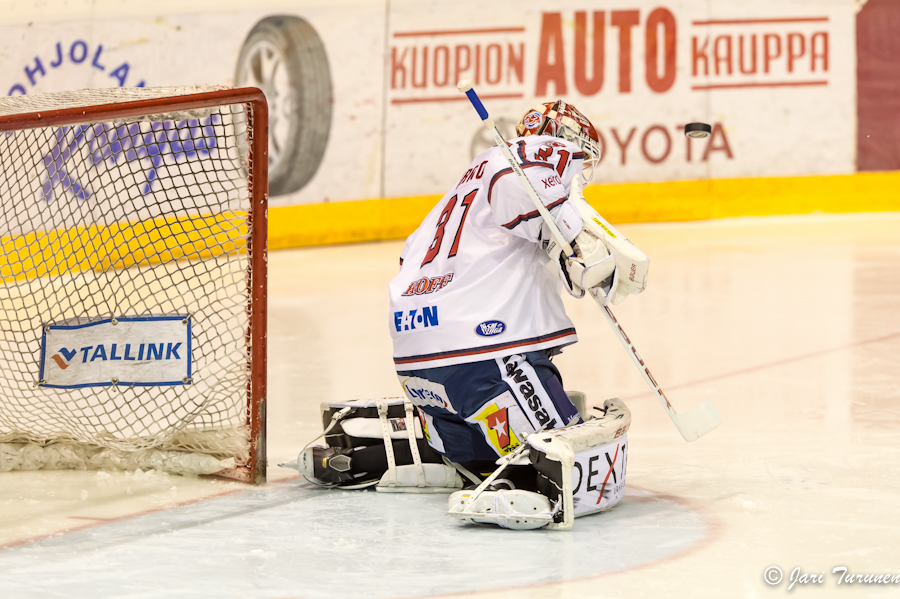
point(476, 102)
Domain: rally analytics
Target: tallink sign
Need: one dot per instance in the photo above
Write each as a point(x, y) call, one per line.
point(127, 351)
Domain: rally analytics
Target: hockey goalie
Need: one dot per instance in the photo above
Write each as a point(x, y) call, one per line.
point(476, 317)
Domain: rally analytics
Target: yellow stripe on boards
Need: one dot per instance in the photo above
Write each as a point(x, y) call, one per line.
point(720, 198)
point(346, 222)
point(396, 218)
point(153, 241)
point(172, 238)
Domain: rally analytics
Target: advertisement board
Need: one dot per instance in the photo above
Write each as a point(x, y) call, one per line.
point(765, 75)
point(363, 99)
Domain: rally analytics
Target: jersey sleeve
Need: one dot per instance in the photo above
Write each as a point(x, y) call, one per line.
point(550, 168)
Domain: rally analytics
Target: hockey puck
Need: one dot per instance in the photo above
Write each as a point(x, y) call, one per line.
point(697, 130)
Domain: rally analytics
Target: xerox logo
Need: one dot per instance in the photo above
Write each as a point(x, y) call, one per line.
point(551, 181)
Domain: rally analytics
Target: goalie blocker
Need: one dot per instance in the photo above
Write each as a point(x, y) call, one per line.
point(578, 470)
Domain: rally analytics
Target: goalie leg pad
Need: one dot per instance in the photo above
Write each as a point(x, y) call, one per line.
point(582, 467)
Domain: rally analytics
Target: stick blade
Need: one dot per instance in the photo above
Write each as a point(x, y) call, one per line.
point(695, 423)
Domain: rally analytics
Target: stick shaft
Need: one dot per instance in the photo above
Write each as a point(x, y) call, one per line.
point(529, 189)
point(488, 122)
point(694, 423)
point(636, 358)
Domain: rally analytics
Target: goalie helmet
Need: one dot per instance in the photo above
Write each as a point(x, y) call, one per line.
point(560, 119)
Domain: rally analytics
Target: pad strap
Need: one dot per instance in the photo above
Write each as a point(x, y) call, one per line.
point(388, 444)
point(413, 445)
point(475, 480)
point(410, 421)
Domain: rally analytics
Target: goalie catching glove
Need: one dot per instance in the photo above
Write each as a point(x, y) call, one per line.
point(604, 259)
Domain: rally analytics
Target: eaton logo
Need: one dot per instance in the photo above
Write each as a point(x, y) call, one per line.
point(417, 319)
point(490, 328)
point(114, 351)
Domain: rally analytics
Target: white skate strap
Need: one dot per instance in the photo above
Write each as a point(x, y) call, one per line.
point(390, 479)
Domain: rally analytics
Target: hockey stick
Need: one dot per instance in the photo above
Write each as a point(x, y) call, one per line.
point(692, 424)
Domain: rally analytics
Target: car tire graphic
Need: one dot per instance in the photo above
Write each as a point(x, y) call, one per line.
point(285, 58)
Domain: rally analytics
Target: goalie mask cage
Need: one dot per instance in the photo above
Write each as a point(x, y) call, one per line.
point(122, 206)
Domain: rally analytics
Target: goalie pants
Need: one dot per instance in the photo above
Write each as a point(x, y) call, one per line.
point(481, 410)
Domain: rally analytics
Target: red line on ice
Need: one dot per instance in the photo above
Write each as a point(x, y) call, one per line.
point(814, 354)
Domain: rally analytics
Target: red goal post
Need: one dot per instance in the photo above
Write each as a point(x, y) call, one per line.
point(148, 209)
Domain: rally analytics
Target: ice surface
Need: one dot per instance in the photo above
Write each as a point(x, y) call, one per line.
point(293, 540)
point(789, 326)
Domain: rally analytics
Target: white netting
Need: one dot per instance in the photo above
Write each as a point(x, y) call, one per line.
point(131, 217)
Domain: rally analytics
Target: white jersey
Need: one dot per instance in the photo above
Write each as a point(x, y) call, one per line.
point(472, 283)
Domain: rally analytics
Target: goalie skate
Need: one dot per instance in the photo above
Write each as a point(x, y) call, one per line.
point(581, 470)
point(515, 509)
point(326, 466)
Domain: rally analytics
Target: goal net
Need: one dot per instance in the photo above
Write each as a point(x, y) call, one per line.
point(133, 280)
